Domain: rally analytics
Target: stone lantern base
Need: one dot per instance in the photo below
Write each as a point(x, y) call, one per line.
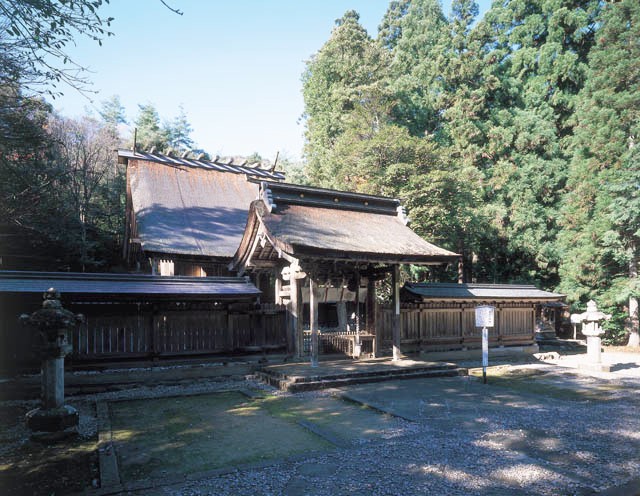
point(52, 419)
point(594, 367)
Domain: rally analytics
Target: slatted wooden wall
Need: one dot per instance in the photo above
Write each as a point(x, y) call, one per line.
point(449, 326)
point(127, 331)
point(113, 331)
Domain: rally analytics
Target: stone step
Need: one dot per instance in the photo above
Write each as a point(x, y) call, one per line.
point(311, 377)
point(310, 383)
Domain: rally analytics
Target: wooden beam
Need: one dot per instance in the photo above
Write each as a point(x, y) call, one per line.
point(313, 320)
point(396, 312)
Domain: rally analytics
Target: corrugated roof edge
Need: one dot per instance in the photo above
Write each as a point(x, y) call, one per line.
point(415, 287)
point(235, 285)
point(314, 189)
point(245, 169)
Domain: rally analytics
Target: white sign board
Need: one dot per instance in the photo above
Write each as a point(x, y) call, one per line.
point(484, 316)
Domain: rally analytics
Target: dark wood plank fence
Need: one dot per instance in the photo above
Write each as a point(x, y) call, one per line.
point(136, 332)
point(115, 331)
point(449, 326)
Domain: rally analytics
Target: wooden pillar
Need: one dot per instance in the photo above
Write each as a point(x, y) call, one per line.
point(395, 282)
point(313, 320)
point(295, 311)
point(278, 287)
point(357, 322)
point(341, 309)
point(258, 283)
point(371, 313)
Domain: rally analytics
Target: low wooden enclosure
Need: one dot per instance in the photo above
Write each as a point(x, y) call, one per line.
point(441, 326)
point(128, 331)
point(123, 331)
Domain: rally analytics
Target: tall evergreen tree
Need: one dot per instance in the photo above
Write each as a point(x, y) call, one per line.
point(150, 132)
point(179, 132)
point(601, 216)
point(344, 74)
point(541, 47)
point(419, 33)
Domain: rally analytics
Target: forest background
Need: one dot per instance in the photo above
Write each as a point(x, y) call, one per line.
point(511, 140)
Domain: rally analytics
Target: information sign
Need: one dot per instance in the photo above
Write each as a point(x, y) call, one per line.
point(484, 316)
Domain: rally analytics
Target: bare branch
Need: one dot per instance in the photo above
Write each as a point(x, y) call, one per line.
point(175, 11)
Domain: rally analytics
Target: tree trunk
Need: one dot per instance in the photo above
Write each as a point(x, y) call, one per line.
point(634, 317)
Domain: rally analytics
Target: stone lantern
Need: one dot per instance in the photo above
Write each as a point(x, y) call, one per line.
point(53, 324)
point(592, 329)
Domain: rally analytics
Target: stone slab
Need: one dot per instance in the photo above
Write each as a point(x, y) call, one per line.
point(595, 367)
point(109, 475)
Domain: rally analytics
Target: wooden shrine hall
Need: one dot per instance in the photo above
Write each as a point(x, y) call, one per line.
point(325, 245)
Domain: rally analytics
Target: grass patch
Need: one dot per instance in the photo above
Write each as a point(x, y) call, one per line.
point(187, 435)
point(341, 419)
point(537, 382)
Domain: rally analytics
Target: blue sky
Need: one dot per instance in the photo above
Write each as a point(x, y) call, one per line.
point(234, 65)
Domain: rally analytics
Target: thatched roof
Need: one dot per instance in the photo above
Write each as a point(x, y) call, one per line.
point(304, 222)
point(190, 207)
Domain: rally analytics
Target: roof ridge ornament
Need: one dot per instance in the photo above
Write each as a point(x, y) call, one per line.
point(402, 215)
point(267, 197)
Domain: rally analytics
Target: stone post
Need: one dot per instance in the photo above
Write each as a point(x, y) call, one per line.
point(53, 324)
point(592, 329)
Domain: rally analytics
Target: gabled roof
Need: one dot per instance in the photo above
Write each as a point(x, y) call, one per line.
point(452, 291)
point(305, 222)
point(190, 207)
point(91, 285)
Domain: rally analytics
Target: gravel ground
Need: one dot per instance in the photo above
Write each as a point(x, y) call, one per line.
point(518, 444)
point(514, 443)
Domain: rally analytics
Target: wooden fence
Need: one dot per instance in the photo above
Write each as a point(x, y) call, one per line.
point(449, 326)
point(127, 332)
point(115, 331)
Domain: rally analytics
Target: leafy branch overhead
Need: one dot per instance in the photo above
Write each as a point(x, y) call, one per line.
point(40, 32)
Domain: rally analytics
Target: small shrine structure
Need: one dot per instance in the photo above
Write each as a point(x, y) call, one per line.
point(322, 244)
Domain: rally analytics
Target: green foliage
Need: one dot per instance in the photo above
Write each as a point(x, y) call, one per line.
point(174, 135)
point(113, 112)
point(149, 130)
point(616, 328)
point(601, 211)
point(342, 76)
point(512, 140)
point(416, 83)
point(179, 132)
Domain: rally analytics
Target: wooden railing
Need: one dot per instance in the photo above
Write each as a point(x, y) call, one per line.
point(342, 343)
